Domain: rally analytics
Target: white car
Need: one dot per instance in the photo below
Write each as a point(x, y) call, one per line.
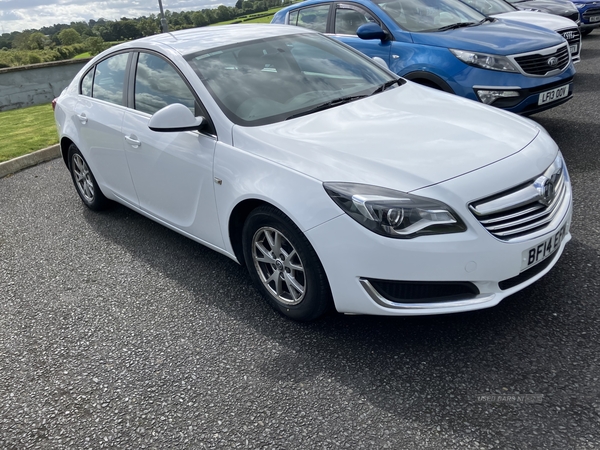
point(335, 182)
point(504, 10)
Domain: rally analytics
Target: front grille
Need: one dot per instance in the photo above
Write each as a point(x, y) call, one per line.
point(525, 209)
point(572, 35)
point(540, 65)
point(424, 291)
point(574, 16)
point(591, 12)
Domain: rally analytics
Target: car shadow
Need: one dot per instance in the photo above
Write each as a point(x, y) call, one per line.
point(419, 369)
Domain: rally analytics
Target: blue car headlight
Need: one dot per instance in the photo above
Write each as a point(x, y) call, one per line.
point(485, 61)
point(393, 213)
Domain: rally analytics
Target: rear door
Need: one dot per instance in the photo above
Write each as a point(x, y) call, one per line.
point(99, 116)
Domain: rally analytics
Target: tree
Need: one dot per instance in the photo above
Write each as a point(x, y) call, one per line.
point(69, 36)
point(148, 26)
point(199, 19)
point(37, 41)
point(94, 45)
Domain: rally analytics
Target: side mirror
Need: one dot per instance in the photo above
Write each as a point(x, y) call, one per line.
point(370, 31)
point(175, 117)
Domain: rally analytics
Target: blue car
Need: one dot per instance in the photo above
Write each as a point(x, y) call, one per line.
point(447, 45)
point(589, 12)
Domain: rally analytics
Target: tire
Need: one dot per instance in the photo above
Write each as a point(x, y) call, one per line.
point(84, 181)
point(284, 266)
point(586, 32)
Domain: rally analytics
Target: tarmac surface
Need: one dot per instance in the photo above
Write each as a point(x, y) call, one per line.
point(118, 333)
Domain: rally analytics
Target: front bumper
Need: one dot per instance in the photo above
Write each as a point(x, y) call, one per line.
point(354, 258)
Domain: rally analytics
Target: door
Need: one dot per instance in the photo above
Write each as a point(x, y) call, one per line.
point(347, 19)
point(171, 171)
point(100, 111)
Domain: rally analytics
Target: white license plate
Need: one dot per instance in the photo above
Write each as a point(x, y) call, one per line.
point(553, 95)
point(594, 19)
point(573, 49)
point(543, 250)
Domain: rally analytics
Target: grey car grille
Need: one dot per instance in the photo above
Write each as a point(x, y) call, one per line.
point(540, 65)
point(526, 209)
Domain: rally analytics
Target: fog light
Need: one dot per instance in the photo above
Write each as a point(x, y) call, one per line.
point(489, 97)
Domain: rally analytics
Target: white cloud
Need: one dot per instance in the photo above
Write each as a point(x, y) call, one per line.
point(18, 15)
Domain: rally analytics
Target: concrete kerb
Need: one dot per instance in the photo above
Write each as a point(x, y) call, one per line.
point(29, 160)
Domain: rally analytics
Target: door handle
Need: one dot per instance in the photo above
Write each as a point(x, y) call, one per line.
point(133, 141)
point(82, 118)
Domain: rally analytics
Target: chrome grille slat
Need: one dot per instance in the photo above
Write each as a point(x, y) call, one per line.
point(547, 210)
point(526, 209)
point(512, 216)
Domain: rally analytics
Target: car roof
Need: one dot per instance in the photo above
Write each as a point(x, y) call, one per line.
point(200, 39)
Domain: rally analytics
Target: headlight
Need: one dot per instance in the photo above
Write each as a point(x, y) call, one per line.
point(580, 5)
point(393, 213)
point(485, 61)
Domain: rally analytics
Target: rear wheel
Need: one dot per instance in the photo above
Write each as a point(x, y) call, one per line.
point(84, 181)
point(284, 266)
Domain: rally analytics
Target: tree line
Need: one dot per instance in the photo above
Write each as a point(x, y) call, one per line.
point(63, 41)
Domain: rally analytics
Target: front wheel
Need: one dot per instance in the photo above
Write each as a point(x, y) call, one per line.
point(586, 32)
point(84, 181)
point(284, 266)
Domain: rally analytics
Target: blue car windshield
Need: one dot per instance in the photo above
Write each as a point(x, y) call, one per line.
point(430, 15)
point(270, 80)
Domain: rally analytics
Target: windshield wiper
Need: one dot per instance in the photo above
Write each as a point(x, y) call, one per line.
point(387, 84)
point(327, 105)
point(454, 26)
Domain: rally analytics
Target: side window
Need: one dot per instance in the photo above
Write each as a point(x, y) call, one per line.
point(313, 18)
point(348, 20)
point(157, 84)
point(86, 83)
point(109, 79)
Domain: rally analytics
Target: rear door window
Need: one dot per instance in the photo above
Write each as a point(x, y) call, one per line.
point(110, 79)
point(313, 17)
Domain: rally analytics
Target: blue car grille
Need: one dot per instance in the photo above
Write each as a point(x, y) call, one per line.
point(591, 12)
point(537, 64)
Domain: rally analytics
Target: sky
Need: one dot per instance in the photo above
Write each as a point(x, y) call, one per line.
point(18, 15)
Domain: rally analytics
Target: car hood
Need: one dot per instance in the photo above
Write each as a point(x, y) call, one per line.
point(499, 37)
point(550, 6)
point(406, 138)
point(550, 21)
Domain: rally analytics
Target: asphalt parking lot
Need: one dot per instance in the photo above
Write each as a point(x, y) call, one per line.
point(118, 333)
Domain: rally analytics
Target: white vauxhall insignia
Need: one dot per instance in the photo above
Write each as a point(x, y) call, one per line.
point(333, 181)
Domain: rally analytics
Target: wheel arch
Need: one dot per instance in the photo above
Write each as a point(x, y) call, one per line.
point(427, 79)
point(65, 143)
point(237, 218)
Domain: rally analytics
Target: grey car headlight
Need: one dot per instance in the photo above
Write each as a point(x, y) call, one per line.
point(393, 213)
point(485, 61)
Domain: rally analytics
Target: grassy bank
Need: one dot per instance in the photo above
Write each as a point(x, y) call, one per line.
point(26, 130)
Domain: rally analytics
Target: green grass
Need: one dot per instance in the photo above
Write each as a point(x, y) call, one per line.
point(26, 130)
point(247, 19)
point(83, 55)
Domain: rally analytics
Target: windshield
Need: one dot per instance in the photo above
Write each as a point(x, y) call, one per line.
point(429, 15)
point(270, 80)
point(489, 7)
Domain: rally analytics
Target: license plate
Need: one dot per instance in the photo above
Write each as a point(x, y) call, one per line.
point(553, 95)
point(573, 49)
point(543, 250)
point(594, 19)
